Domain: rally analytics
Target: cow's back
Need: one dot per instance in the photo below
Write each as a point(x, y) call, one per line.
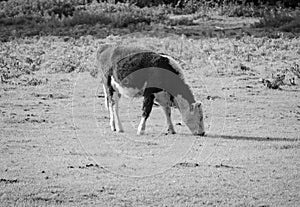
point(109, 55)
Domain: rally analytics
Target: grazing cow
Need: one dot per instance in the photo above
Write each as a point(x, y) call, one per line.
point(136, 72)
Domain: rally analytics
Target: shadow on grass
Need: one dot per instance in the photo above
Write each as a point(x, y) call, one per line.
point(251, 138)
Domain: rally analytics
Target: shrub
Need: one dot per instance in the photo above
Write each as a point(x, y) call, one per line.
point(64, 14)
point(283, 19)
point(292, 26)
point(239, 10)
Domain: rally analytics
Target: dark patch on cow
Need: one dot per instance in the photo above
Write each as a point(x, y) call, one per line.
point(172, 99)
point(151, 90)
point(110, 90)
point(147, 105)
point(135, 62)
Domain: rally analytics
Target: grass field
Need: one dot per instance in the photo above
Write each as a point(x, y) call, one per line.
point(57, 149)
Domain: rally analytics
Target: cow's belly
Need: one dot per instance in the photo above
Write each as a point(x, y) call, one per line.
point(163, 98)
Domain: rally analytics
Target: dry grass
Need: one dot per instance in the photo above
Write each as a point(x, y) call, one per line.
point(48, 108)
point(262, 56)
point(43, 125)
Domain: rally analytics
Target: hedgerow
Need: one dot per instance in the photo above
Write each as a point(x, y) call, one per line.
point(64, 13)
point(283, 19)
point(60, 17)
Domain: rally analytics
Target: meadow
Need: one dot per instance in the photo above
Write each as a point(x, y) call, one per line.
point(56, 145)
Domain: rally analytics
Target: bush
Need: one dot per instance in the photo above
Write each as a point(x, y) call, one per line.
point(13, 8)
point(64, 14)
point(239, 10)
point(292, 26)
point(283, 19)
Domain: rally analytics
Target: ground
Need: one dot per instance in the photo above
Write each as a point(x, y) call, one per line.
point(57, 148)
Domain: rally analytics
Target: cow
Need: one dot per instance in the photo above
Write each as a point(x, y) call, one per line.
point(134, 71)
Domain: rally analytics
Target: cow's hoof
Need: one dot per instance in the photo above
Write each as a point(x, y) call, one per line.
point(201, 134)
point(171, 131)
point(140, 133)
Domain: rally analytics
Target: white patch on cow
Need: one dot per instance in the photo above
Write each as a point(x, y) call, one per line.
point(112, 118)
point(174, 64)
point(163, 98)
point(142, 126)
point(127, 92)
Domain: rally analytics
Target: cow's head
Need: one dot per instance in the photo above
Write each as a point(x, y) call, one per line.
point(192, 116)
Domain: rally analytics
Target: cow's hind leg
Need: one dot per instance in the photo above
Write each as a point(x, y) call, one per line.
point(112, 103)
point(115, 110)
point(109, 101)
point(147, 107)
point(167, 112)
point(108, 97)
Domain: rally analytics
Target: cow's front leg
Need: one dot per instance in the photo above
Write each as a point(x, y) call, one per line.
point(110, 105)
point(147, 107)
point(115, 112)
point(105, 96)
point(167, 112)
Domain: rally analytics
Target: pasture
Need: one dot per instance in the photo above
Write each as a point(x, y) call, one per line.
point(57, 148)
